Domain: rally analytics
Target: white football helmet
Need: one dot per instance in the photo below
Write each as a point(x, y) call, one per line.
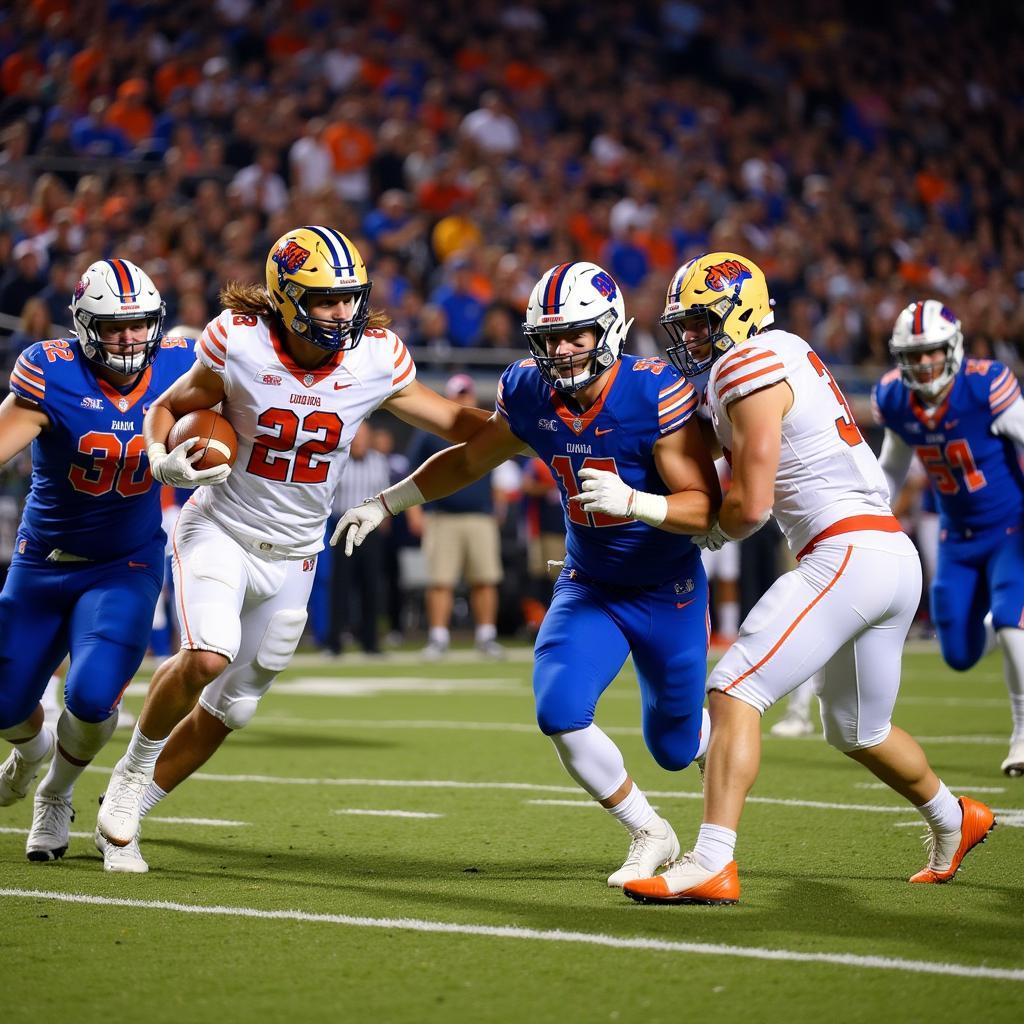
point(927, 326)
point(574, 295)
point(116, 290)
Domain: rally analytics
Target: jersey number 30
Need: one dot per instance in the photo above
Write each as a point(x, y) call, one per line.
point(275, 457)
point(115, 466)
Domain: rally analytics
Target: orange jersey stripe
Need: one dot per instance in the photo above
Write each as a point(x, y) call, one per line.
point(789, 629)
point(762, 372)
point(23, 382)
point(676, 413)
point(735, 360)
point(214, 358)
point(408, 370)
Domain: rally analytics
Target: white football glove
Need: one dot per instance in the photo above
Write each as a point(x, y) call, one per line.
point(608, 494)
point(604, 492)
point(175, 468)
point(714, 539)
point(358, 523)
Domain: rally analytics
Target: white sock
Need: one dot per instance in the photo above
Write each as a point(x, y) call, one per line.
point(1012, 642)
point(633, 810)
point(142, 753)
point(729, 618)
point(800, 698)
point(36, 748)
point(486, 632)
point(943, 812)
point(990, 636)
point(152, 796)
point(716, 846)
point(439, 636)
point(705, 734)
point(61, 778)
point(50, 698)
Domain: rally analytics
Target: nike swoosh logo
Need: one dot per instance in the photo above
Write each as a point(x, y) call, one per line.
point(598, 432)
point(685, 604)
point(138, 565)
point(341, 387)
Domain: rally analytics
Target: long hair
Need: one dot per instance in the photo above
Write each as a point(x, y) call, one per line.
point(254, 300)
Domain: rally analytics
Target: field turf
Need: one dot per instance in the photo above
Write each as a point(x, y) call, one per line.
point(393, 841)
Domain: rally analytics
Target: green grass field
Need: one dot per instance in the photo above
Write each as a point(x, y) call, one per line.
point(286, 890)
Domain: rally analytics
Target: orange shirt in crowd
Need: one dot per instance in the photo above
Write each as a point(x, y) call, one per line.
point(350, 144)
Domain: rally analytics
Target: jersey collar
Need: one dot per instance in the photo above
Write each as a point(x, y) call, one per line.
point(932, 419)
point(121, 401)
point(307, 378)
point(578, 422)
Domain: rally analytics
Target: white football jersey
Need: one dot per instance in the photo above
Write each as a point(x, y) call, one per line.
point(826, 470)
point(294, 428)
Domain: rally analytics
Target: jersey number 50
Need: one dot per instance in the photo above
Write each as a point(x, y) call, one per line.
point(291, 463)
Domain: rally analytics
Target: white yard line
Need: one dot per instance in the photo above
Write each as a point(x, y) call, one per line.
point(535, 787)
point(955, 787)
point(571, 803)
point(203, 822)
point(387, 814)
point(9, 831)
point(408, 924)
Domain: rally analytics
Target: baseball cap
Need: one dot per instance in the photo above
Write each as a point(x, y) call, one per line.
point(459, 384)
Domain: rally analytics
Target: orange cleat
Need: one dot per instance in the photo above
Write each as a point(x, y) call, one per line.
point(943, 859)
point(686, 881)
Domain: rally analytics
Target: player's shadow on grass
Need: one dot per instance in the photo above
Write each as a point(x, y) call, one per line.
point(277, 739)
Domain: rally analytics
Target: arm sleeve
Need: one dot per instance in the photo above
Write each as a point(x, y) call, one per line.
point(895, 459)
point(404, 368)
point(1003, 391)
point(746, 370)
point(212, 349)
point(677, 402)
point(1010, 422)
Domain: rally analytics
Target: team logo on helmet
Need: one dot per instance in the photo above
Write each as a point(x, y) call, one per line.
point(289, 258)
point(83, 283)
point(723, 275)
point(603, 283)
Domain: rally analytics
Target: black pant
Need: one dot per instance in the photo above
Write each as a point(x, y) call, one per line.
point(358, 577)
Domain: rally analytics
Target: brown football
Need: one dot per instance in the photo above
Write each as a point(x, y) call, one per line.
point(217, 438)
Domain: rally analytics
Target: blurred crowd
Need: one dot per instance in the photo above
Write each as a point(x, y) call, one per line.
point(863, 153)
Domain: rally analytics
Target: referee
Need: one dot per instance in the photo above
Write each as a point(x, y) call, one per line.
point(359, 580)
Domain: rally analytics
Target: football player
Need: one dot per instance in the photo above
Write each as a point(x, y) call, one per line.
point(795, 451)
point(298, 364)
point(620, 436)
point(965, 420)
point(88, 561)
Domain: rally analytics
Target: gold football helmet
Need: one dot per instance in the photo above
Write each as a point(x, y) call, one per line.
point(720, 299)
point(314, 262)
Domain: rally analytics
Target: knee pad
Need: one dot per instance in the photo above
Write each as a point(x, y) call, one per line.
point(674, 748)
point(83, 740)
point(236, 713)
point(282, 636)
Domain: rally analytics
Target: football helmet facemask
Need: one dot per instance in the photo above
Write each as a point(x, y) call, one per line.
point(313, 263)
point(927, 326)
point(117, 291)
point(569, 297)
point(722, 299)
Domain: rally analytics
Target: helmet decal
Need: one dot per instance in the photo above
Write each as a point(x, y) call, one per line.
point(289, 258)
point(726, 274)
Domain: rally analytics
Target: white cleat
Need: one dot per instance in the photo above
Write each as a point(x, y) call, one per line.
point(650, 849)
point(1014, 763)
point(491, 650)
point(434, 652)
point(124, 859)
point(791, 726)
point(51, 825)
point(17, 773)
point(121, 809)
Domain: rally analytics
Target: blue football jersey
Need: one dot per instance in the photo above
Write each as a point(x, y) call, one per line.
point(642, 401)
point(974, 473)
point(92, 494)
